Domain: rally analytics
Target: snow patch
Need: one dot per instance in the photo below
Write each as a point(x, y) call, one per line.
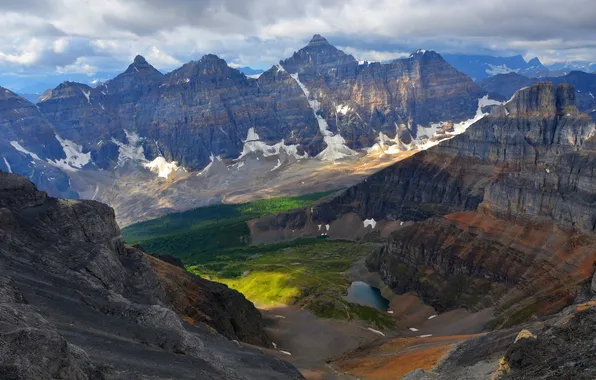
point(336, 148)
point(342, 109)
point(18, 147)
point(133, 150)
point(206, 168)
point(425, 336)
point(500, 69)
point(327, 227)
point(254, 76)
point(591, 95)
point(376, 331)
point(7, 165)
point(277, 165)
point(432, 316)
point(253, 144)
point(75, 158)
point(285, 353)
point(413, 329)
point(370, 222)
point(385, 145)
point(160, 166)
point(424, 134)
point(87, 95)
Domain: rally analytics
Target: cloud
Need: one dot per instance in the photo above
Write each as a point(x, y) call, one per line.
point(82, 36)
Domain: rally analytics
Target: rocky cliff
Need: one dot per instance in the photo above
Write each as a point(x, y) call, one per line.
point(75, 303)
point(584, 84)
point(26, 130)
point(361, 100)
point(502, 214)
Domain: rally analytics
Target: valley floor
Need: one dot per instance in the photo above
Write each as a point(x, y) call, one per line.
point(299, 287)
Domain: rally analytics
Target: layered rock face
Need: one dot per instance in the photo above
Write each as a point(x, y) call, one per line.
point(361, 100)
point(502, 214)
point(25, 129)
point(202, 109)
point(584, 84)
point(84, 306)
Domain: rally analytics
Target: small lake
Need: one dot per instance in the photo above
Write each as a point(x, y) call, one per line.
point(363, 294)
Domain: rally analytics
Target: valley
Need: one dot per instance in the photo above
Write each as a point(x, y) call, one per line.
point(214, 243)
point(301, 286)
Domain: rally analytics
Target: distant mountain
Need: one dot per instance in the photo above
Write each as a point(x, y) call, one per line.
point(248, 71)
point(569, 66)
point(30, 97)
point(584, 84)
point(506, 84)
point(479, 67)
point(39, 84)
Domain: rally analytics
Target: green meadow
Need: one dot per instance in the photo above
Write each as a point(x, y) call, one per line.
point(214, 242)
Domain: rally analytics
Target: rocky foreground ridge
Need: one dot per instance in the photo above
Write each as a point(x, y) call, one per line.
point(76, 303)
point(500, 216)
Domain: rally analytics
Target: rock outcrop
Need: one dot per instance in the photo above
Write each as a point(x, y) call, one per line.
point(97, 308)
point(583, 83)
point(502, 214)
point(211, 303)
point(558, 347)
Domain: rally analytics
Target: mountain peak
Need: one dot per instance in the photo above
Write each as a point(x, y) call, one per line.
point(212, 58)
point(140, 65)
point(140, 60)
point(535, 62)
point(424, 53)
point(318, 40)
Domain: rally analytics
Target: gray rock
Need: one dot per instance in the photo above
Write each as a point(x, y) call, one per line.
point(95, 307)
point(419, 374)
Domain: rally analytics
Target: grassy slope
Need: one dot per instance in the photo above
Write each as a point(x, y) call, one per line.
point(213, 243)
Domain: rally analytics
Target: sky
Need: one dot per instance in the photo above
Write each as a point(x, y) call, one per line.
point(90, 36)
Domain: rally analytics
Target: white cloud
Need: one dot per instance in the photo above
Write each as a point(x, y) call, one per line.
point(71, 35)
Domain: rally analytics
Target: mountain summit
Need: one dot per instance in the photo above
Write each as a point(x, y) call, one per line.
point(318, 40)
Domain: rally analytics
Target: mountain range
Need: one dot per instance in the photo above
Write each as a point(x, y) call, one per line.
point(319, 103)
point(481, 67)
